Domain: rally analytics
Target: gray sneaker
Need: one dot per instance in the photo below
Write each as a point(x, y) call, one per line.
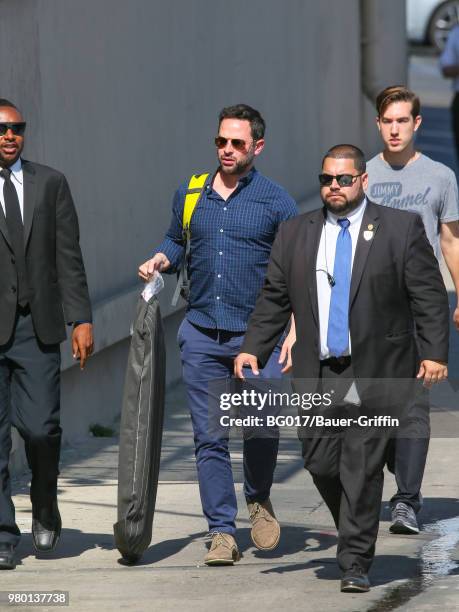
point(404, 520)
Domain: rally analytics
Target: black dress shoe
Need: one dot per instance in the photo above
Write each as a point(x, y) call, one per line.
point(46, 531)
point(7, 560)
point(355, 581)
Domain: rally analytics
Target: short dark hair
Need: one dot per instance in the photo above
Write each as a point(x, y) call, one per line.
point(5, 102)
point(347, 151)
point(247, 113)
point(397, 93)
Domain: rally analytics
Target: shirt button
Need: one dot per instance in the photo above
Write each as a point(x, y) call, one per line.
point(225, 208)
point(219, 275)
point(218, 297)
point(221, 230)
point(220, 253)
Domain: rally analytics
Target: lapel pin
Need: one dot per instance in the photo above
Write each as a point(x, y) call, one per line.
point(371, 226)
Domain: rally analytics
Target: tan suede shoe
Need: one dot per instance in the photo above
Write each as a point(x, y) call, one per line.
point(265, 528)
point(223, 550)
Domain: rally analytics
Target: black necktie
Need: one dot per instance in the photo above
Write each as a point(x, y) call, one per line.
point(16, 232)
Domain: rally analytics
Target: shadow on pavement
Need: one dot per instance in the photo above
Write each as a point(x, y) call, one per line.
point(293, 540)
point(168, 548)
point(73, 543)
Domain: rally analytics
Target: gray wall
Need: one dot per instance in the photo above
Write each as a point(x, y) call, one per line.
point(123, 97)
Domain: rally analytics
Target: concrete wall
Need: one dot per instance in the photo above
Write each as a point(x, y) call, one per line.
point(123, 97)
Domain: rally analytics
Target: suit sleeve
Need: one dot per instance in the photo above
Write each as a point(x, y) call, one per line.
point(272, 309)
point(71, 274)
point(427, 294)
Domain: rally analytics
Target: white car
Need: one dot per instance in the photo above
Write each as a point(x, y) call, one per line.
point(429, 21)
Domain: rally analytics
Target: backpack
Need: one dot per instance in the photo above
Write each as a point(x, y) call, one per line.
point(193, 195)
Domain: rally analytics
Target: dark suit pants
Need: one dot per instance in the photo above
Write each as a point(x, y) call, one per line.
point(29, 400)
point(347, 468)
point(348, 472)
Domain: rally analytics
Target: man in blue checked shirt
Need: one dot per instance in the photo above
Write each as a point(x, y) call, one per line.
point(232, 230)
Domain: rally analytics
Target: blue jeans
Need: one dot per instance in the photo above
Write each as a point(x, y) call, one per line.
point(208, 354)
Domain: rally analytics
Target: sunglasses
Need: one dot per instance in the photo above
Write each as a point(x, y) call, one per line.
point(237, 143)
point(343, 180)
point(18, 128)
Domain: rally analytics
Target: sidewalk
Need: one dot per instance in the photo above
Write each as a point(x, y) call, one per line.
point(300, 575)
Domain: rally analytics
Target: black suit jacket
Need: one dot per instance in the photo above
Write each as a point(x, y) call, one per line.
point(396, 286)
point(55, 269)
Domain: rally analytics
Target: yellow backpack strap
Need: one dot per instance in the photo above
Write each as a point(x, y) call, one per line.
point(192, 196)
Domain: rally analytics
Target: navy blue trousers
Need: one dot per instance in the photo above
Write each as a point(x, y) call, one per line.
point(29, 400)
point(208, 354)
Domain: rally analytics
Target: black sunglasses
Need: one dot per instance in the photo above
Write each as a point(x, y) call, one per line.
point(343, 180)
point(18, 128)
point(237, 143)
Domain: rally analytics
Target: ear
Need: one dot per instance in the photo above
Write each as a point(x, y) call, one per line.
point(417, 122)
point(378, 123)
point(259, 146)
point(365, 180)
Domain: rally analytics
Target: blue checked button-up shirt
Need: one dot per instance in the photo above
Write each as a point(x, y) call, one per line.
point(230, 245)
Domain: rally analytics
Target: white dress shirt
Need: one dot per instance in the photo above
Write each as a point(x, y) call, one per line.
point(450, 55)
point(17, 180)
point(325, 263)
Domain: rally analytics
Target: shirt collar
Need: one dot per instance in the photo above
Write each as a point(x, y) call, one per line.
point(16, 171)
point(245, 180)
point(354, 217)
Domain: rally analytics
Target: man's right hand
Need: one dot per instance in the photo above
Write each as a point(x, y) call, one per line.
point(245, 359)
point(159, 262)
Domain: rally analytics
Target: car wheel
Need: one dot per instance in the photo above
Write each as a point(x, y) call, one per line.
point(445, 17)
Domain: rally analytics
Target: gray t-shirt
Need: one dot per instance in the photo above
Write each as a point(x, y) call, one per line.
point(424, 186)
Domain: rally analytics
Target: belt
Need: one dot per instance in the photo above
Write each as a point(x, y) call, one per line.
point(337, 361)
point(23, 310)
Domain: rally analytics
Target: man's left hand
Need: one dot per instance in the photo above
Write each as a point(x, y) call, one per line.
point(432, 372)
point(82, 342)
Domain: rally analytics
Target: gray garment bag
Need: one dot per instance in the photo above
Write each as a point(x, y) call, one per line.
point(141, 432)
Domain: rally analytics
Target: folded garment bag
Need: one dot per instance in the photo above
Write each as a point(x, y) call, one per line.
point(141, 430)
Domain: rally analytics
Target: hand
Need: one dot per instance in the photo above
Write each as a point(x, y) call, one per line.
point(245, 359)
point(432, 372)
point(456, 317)
point(82, 342)
point(286, 351)
point(159, 262)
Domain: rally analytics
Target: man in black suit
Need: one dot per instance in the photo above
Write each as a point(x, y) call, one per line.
point(42, 286)
point(359, 279)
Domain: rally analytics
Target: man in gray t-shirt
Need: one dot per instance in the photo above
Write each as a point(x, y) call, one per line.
point(404, 178)
point(423, 186)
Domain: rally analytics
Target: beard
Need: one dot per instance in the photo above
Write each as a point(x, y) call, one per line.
point(240, 166)
point(344, 207)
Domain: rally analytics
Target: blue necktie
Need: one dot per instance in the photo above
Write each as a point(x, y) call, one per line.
point(338, 319)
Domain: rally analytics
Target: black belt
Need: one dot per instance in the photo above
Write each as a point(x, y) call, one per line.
point(24, 310)
point(337, 361)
